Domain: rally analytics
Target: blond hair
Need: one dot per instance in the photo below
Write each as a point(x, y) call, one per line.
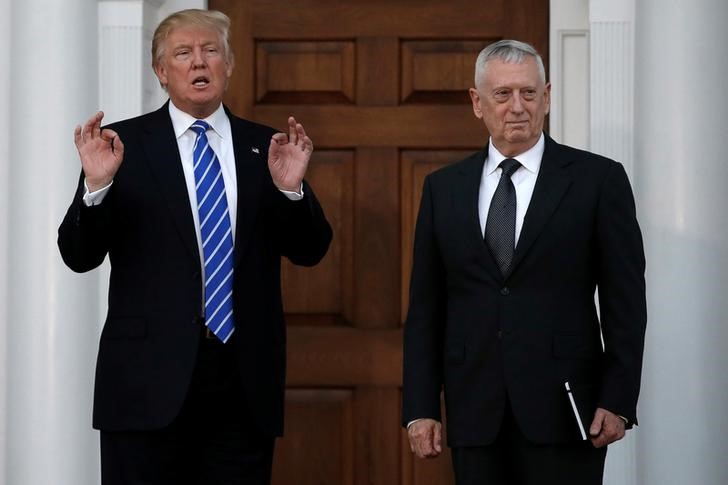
point(206, 19)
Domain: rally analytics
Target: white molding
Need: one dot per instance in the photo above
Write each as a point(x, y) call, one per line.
point(612, 90)
point(569, 71)
point(570, 87)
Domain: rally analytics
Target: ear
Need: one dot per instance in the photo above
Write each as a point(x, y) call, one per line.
point(547, 98)
point(161, 73)
point(475, 98)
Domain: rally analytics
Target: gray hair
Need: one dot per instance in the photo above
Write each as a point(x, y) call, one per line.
point(509, 51)
point(207, 19)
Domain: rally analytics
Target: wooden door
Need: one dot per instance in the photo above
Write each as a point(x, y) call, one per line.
point(381, 87)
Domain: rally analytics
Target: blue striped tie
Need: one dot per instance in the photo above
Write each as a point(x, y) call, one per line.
point(216, 235)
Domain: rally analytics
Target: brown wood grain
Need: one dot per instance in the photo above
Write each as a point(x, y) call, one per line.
point(341, 356)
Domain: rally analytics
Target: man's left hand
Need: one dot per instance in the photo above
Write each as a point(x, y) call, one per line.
point(288, 156)
point(606, 428)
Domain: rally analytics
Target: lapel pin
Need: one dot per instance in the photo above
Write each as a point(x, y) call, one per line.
point(255, 150)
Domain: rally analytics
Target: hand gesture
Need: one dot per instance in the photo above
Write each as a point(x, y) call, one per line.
point(101, 152)
point(288, 156)
point(425, 437)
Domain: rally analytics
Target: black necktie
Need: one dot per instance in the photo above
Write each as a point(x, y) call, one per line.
point(500, 228)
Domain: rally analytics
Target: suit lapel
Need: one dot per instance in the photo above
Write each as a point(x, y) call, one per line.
point(472, 170)
point(552, 183)
point(249, 172)
point(160, 146)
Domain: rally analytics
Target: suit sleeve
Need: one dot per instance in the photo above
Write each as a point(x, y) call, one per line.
point(83, 236)
point(423, 331)
point(301, 227)
point(622, 302)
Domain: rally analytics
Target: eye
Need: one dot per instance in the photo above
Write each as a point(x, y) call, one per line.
point(501, 95)
point(529, 94)
point(182, 54)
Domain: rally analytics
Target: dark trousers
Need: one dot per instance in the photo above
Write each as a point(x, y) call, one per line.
point(212, 441)
point(513, 460)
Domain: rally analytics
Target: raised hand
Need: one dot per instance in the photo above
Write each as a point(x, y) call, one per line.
point(288, 156)
point(101, 152)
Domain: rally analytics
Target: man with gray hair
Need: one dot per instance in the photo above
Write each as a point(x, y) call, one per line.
point(194, 207)
point(510, 246)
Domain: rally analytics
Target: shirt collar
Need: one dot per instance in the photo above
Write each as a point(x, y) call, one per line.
point(530, 159)
point(182, 121)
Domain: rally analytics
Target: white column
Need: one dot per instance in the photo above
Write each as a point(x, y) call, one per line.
point(5, 38)
point(52, 321)
point(681, 172)
point(612, 79)
point(611, 134)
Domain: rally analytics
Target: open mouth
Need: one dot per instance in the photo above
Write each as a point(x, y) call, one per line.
point(200, 82)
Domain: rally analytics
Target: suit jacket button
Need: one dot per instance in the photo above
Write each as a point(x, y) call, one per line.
point(500, 333)
point(505, 291)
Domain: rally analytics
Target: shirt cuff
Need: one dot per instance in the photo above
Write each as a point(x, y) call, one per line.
point(413, 422)
point(95, 197)
point(292, 195)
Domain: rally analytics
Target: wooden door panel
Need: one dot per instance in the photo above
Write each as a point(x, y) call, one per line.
point(381, 87)
point(438, 71)
point(415, 166)
point(283, 72)
point(325, 415)
point(325, 295)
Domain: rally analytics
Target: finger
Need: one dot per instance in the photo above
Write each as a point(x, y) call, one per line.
point(97, 125)
point(117, 146)
point(307, 145)
point(426, 448)
point(437, 441)
point(88, 128)
point(77, 136)
point(279, 139)
point(300, 132)
point(292, 134)
point(596, 426)
point(598, 442)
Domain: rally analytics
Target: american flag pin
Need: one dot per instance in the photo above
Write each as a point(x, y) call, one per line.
point(255, 150)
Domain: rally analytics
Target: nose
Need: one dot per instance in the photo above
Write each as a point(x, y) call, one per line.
point(198, 60)
point(516, 105)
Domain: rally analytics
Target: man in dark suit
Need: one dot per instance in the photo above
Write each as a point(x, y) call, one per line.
point(194, 207)
point(511, 244)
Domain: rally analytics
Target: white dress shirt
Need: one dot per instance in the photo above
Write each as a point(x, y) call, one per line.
point(220, 138)
point(524, 180)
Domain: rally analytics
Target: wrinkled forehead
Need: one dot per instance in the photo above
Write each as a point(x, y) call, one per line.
point(504, 72)
point(193, 35)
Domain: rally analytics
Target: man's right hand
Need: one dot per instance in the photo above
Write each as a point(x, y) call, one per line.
point(425, 437)
point(101, 152)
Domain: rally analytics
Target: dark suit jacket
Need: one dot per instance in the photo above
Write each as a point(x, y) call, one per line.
point(150, 339)
point(484, 337)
